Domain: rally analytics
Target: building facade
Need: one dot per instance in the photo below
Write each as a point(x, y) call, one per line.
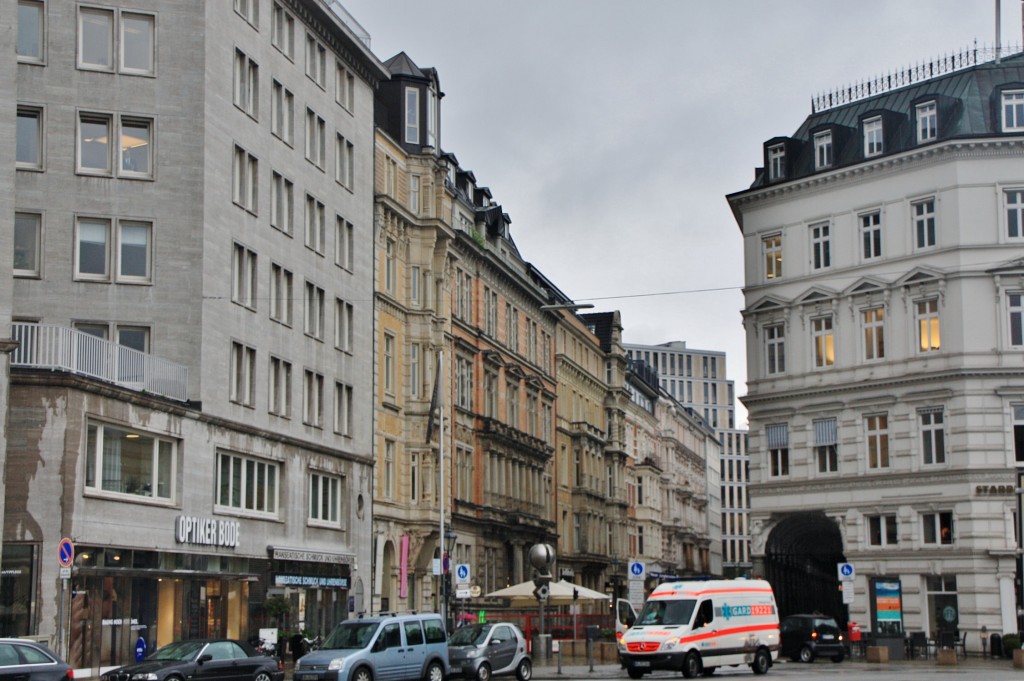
point(188, 407)
point(884, 280)
point(697, 380)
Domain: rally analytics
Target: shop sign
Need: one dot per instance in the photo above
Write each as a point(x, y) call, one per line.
point(994, 490)
point(303, 556)
point(191, 529)
point(311, 580)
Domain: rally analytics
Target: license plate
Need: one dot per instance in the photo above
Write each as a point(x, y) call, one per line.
point(641, 664)
point(827, 637)
point(306, 677)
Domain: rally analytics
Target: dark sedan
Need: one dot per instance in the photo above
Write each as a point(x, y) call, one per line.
point(29, 661)
point(202, 660)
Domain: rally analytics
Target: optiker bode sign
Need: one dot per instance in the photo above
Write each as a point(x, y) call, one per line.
point(206, 531)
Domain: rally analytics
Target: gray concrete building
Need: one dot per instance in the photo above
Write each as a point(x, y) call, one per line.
point(191, 221)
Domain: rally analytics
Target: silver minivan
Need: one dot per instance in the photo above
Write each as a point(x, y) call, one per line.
point(385, 648)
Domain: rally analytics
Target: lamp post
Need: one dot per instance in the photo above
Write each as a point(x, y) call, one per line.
point(446, 581)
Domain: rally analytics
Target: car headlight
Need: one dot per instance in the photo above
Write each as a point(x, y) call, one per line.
point(336, 664)
point(473, 653)
point(670, 644)
point(149, 676)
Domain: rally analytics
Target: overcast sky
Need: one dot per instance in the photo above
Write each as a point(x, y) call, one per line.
point(610, 132)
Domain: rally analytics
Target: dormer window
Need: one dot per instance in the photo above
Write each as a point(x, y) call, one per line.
point(777, 162)
point(823, 150)
point(927, 122)
point(873, 136)
point(412, 115)
point(1013, 111)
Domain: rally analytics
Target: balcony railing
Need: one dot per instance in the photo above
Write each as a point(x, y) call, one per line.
point(59, 348)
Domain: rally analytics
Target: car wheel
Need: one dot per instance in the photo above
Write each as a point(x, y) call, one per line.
point(435, 672)
point(806, 654)
point(524, 670)
point(691, 665)
point(483, 672)
point(261, 676)
point(838, 657)
point(362, 674)
point(634, 673)
point(762, 662)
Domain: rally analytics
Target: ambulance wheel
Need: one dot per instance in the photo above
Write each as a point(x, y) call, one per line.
point(691, 665)
point(762, 662)
point(634, 673)
point(709, 671)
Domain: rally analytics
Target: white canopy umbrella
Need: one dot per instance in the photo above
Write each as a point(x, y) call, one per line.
point(560, 593)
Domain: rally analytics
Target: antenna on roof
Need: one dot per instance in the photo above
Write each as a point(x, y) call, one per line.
point(998, 17)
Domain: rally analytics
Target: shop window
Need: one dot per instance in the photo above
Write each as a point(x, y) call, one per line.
point(129, 462)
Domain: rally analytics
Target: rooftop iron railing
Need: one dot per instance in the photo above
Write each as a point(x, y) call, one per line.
point(59, 348)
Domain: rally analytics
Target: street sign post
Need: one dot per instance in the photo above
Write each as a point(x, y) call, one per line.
point(847, 575)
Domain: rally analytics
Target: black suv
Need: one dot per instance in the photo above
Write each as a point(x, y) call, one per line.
point(805, 637)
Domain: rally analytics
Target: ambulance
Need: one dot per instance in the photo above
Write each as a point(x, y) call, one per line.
point(696, 627)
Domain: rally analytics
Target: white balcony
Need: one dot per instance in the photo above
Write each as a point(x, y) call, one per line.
point(59, 348)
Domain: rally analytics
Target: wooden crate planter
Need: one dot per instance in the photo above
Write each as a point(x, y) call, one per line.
point(877, 654)
point(947, 657)
point(1018, 658)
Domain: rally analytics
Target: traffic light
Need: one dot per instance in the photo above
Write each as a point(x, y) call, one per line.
point(575, 594)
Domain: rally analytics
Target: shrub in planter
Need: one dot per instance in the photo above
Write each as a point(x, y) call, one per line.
point(1010, 643)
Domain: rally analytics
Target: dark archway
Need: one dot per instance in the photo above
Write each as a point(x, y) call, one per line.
point(801, 559)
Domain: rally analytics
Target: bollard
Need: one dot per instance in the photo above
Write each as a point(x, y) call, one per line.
point(559, 653)
point(590, 653)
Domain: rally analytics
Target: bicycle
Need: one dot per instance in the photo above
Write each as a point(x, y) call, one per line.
point(313, 643)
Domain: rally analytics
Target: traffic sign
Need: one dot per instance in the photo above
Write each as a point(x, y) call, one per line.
point(846, 572)
point(66, 552)
point(462, 573)
point(636, 570)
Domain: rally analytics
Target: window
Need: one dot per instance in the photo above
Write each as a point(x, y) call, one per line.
point(247, 484)
point(826, 441)
point(822, 150)
point(344, 233)
point(821, 253)
point(1015, 302)
point(414, 194)
point(92, 254)
point(927, 316)
point(280, 388)
point(315, 224)
point(242, 388)
point(314, 324)
point(937, 528)
point(344, 172)
point(873, 321)
point(771, 246)
point(775, 349)
point(933, 438)
point(412, 115)
point(1018, 433)
point(873, 136)
point(777, 162)
point(1013, 111)
point(388, 474)
point(29, 153)
point(282, 112)
point(927, 122)
point(824, 342)
point(134, 251)
point(282, 31)
point(343, 403)
point(312, 398)
point(877, 432)
point(389, 266)
point(94, 143)
point(871, 234)
point(249, 10)
point(463, 383)
point(137, 40)
point(344, 86)
point(31, 36)
point(882, 530)
point(281, 291)
point(324, 498)
point(136, 135)
point(924, 223)
point(316, 139)
point(512, 400)
point(344, 315)
point(415, 369)
point(316, 60)
point(245, 181)
point(777, 439)
point(490, 312)
point(389, 364)
point(243, 276)
point(282, 203)
point(126, 461)
point(1015, 214)
point(512, 326)
point(490, 394)
point(28, 233)
point(247, 78)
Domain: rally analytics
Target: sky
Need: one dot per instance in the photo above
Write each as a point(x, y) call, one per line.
point(611, 132)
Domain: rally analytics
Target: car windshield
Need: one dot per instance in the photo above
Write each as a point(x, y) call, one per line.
point(470, 635)
point(667, 612)
point(351, 635)
point(182, 650)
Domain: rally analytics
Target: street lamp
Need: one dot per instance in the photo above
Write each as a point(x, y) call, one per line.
point(446, 581)
point(572, 307)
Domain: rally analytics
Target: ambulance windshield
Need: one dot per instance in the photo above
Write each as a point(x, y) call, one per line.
point(667, 612)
